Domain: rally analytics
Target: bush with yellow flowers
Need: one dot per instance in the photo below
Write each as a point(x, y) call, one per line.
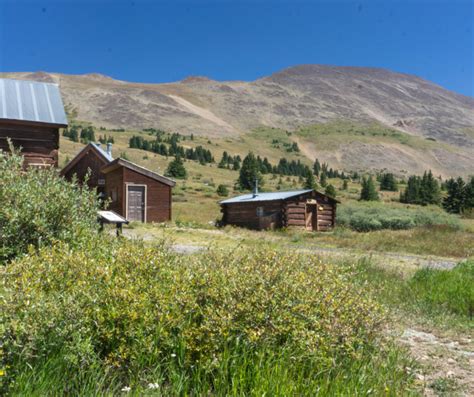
point(129, 307)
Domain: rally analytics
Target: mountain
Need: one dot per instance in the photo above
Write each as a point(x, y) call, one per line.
point(291, 99)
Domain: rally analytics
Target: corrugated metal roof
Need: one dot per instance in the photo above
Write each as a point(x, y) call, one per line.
point(31, 101)
point(108, 156)
point(246, 198)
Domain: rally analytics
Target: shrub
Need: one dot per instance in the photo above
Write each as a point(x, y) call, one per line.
point(222, 190)
point(38, 207)
point(364, 217)
point(128, 309)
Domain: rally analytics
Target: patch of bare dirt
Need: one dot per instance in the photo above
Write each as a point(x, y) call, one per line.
point(447, 364)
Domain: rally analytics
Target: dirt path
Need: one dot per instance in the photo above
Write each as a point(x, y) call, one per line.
point(415, 261)
point(447, 365)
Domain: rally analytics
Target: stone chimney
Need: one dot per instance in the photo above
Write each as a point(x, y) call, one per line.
point(109, 149)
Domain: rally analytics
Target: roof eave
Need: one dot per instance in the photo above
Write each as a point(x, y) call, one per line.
point(33, 123)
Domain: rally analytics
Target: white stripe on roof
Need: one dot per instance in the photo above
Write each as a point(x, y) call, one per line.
point(3, 99)
point(35, 107)
point(18, 100)
point(48, 102)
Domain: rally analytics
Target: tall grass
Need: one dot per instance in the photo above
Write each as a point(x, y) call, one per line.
point(444, 298)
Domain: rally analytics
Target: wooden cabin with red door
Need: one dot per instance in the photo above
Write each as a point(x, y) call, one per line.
point(89, 162)
point(136, 193)
point(31, 114)
point(304, 209)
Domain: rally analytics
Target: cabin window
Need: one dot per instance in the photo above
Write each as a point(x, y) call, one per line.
point(259, 211)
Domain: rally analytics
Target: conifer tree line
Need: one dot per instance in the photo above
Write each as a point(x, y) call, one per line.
point(422, 190)
point(323, 168)
point(106, 139)
point(170, 147)
point(80, 134)
point(230, 162)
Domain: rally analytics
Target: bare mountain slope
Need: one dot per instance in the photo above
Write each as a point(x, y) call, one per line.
point(295, 97)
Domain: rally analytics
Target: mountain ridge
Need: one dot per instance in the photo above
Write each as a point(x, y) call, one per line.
point(293, 98)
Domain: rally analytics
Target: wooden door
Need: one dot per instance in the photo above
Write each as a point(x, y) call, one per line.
point(136, 203)
point(310, 217)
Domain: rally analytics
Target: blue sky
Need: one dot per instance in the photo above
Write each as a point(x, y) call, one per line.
point(162, 41)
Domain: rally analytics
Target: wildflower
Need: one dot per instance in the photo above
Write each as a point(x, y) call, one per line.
point(126, 389)
point(173, 355)
point(153, 386)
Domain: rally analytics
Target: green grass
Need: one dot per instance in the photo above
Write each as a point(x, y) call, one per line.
point(441, 241)
point(330, 135)
point(241, 372)
point(440, 298)
point(451, 291)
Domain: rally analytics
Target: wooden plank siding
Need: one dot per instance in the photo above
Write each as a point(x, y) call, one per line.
point(158, 197)
point(114, 189)
point(90, 162)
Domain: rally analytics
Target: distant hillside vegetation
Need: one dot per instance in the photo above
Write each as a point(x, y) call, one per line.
point(435, 125)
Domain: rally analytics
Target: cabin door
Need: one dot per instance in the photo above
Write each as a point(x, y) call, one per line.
point(311, 218)
point(136, 203)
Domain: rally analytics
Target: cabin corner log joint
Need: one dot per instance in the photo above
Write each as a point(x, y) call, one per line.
point(304, 209)
point(31, 114)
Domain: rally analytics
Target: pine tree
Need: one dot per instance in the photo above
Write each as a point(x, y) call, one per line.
point(429, 189)
point(330, 191)
point(388, 182)
point(454, 201)
point(469, 196)
point(249, 172)
point(411, 195)
point(345, 185)
point(323, 179)
point(176, 169)
point(317, 167)
point(236, 164)
point(368, 193)
point(310, 182)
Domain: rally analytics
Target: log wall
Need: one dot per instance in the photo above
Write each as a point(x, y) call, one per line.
point(39, 144)
point(245, 215)
point(288, 213)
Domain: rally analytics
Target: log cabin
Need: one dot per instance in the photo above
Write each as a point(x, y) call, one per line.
point(136, 193)
point(304, 209)
point(89, 161)
point(31, 114)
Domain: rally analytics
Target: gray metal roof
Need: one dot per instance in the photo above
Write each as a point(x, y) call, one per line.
point(248, 198)
point(31, 101)
point(107, 155)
